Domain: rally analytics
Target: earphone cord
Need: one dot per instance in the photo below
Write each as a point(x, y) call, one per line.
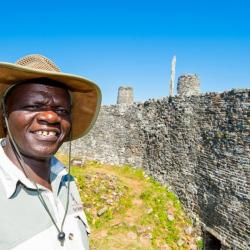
point(25, 171)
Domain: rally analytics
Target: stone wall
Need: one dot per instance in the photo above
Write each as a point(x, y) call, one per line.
point(197, 145)
point(125, 95)
point(188, 85)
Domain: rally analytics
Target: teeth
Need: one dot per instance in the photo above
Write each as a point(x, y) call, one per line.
point(46, 133)
point(52, 133)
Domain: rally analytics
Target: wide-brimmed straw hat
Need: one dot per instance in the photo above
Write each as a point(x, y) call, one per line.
point(86, 95)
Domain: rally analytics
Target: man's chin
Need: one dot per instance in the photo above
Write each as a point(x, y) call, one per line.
point(39, 154)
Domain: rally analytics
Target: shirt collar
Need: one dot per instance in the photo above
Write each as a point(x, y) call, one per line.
point(10, 175)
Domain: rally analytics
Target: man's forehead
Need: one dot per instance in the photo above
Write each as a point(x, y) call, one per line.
point(33, 85)
point(37, 93)
point(34, 89)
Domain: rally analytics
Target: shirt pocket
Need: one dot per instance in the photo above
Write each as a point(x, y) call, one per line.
point(82, 220)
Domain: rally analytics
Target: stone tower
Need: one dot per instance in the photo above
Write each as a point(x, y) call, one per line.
point(188, 85)
point(125, 95)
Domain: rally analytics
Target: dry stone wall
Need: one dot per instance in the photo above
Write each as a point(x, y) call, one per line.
point(188, 85)
point(125, 95)
point(197, 145)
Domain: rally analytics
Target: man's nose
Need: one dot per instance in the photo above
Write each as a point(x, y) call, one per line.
point(48, 116)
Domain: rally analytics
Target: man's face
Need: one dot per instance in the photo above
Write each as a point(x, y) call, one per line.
point(39, 118)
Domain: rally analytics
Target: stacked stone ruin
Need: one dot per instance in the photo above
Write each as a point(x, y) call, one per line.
point(198, 146)
point(188, 85)
point(125, 95)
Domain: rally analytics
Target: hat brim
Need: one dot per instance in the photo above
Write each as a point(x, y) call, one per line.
point(86, 94)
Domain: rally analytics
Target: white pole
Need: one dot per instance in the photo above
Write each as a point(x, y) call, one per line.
point(171, 84)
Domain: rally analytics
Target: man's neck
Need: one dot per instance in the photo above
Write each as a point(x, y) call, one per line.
point(37, 170)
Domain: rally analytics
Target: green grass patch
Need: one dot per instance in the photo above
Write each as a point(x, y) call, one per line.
point(139, 212)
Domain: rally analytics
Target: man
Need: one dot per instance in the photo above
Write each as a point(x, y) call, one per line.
point(40, 207)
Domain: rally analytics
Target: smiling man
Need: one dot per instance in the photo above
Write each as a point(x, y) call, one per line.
point(41, 108)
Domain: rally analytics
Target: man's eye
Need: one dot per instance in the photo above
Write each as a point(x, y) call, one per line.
point(62, 111)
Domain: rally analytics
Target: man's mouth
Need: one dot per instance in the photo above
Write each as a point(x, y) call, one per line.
point(46, 133)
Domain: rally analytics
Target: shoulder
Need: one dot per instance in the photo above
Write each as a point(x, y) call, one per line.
point(57, 166)
point(59, 173)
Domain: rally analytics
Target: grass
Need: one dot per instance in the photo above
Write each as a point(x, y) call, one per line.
point(200, 243)
point(139, 213)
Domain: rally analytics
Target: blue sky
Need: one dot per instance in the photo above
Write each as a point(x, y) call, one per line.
point(131, 43)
